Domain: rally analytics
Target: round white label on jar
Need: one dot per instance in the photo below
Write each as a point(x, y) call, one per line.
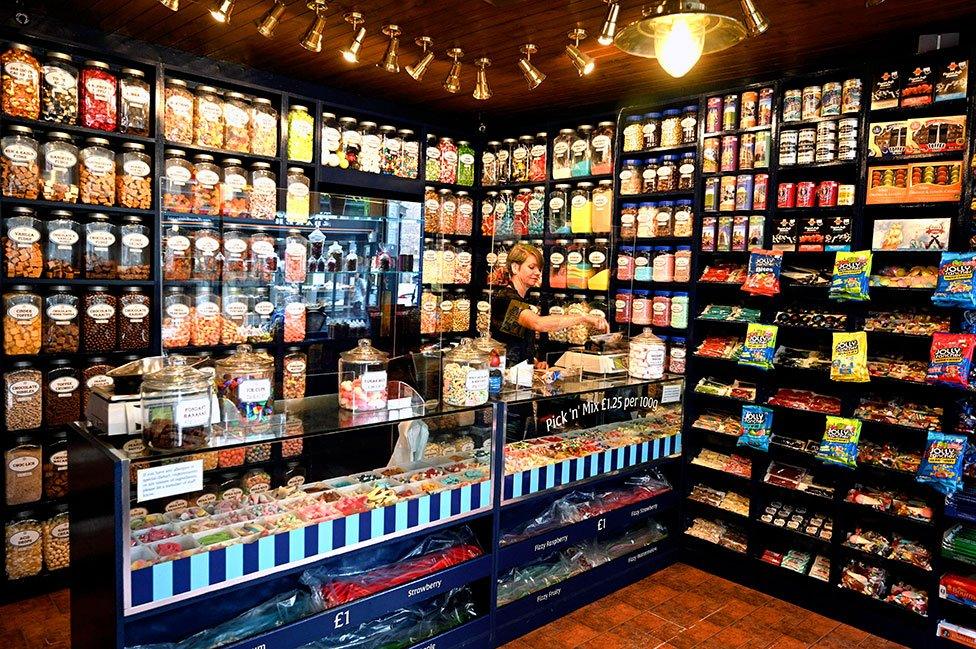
point(235, 309)
point(500, 209)
point(59, 79)
point(100, 239)
point(487, 209)
point(446, 305)
point(433, 153)
point(178, 311)
point(264, 308)
point(235, 245)
point(601, 201)
point(449, 207)
point(556, 258)
point(237, 182)
point(21, 389)
point(297, 190)
point(295, 308)
point(210, 111)
point(60, 531)
point(640, 261)
point(207, 309)
point(450, 157)
point(487, 158)
point(207, 177)
point(100, 89)
point(373, 381)
point(602, 142)
point(266, 122)
point(175, 505)
point(502, 156)
point(520, 154)
point(97, 381)
point(579, 201)
point(135, 94)
point(535, 205)
point(466, 159)
point(63, 238)
point(464, 259)
point(206, 500)
point(23, 312)
point(23, 464)
point(60, 159)
point(264, 185)
point(372, 142)
point(137, 168)
point(180, 104)
point(330, 138)
point(135, 312)
point(597, 257)
point(234, 493)
point(538, 150)
point(206, 245)
point(23, 539)
point(99, 165)
point(626, 219)
point(235, 117)
point(560, 148)
point(20, 153)
point(502, 258)
point(101, 313)
point(483, 307)
point(491, 258)
point(178, 174)
point(466, 209)
point(575, 257)
point(556, 310)
point(135, 241)
point(580, 146)
point(295, 367)
point(62, 312)
point(24, 234)
point(295, 250)
point(296, 481)
point(134, 447)
point(263, 248)
point(64, 385)
point(556, 203)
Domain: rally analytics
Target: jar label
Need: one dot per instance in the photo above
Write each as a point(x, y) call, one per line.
point(433, 153)
point(134, 447)
point(235, 309)
point(264, 308)
point(23, 464)
point(97, 381)
point(500, 209)
point(178, 243)
point(373, 381)
point(483, 306)
point(487, 209)
point(179, 103)
point(601, 200)
point(64, 385)
point(135, 241)
point(466, 159)
point(263, 248)
point(295, 250)
point(24, 234)
point(60, 159)
point(686, 168)
point(207, 245)
point(432, 205)
point(62, 312)
point(330, 138)
point(556, 203)
point(580, 146)
point(60, 531)
point(538, 150)
point(100, 238)
point(597, 257)
point(446, 305)
point(448, 207)
point(175, 505)
point(295, 367)
point(295, 308)
point(178, 174)
point(575, 257)
point(254, 390)
point(234, 493)
point(135, 311)
point(449, 256)
point(206, 500)
point(560, 148)
point(267, 122)
point(351, 138)
point(296, 481)
point(466, 209)
point(487, 158)
point(207, 177)
point(20, 153)
point(210, 111)
point(579, 201)
point(556, 310)
point(620, 304)
point(602, 142)
point(23, 539)
point(137, 512)
point(23, 389)
point(664, 171)
point(235, 245)
point(450, 157)
point(193, 412)
point(100, 89)
point(237, 182)
point(235, 116)
point(372, 142)
point(137, 168)
point(297, 190)
point(64, 238)
point(502, 157)
point(556, 258)
point(23, 312)
point(259, 488)
point(101, 313)
point(627, 219)
point(491, 258)
point(205, 309)
point(640, 261)
point(464, 258)
point(476, 381)
point(57, 78)
point(535, 205)
point(99, 165)
point(264, 185)
point(598, 313)
point(135, 94)
point(178, 311)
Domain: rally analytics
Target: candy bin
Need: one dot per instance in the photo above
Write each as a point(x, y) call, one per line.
point(245, 379)
point(176, 406)
point(362, 373)
point(647, 354)
point(466, 375)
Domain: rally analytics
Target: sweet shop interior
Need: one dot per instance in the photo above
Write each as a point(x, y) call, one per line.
point(336, 325)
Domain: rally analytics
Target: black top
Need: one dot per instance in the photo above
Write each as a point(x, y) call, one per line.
point(506, 306)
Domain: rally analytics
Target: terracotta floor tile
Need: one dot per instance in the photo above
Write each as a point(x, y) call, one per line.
point(695, 634)
point(609, 640)
point(786, 642)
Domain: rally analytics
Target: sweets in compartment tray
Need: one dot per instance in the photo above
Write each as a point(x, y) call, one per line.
point(890, 501)
point(720, 533)
point(872, 581)
point(727, 500)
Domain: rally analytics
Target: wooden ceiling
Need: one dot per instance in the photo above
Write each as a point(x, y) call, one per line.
point(802, 32)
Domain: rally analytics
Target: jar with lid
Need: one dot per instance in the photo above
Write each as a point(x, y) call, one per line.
point(99, 91)
point(682, 218)
point(206, 254)
point(21, 82)
point(133, 180)
point(24, 555)
point(24, 471)
point(578, 333)
point(134, 101)
point(642, 264)
point(296, 257)
point(97, 173)
point(465, 172)
point(176, 183)
point(580, 152)
point(263, 127)
point(297, 198)
point(59, 176)
point(679, 310)
point(577, 264)
point(330, 140)
point(432, 159)
point(206, 185)
point(263, 197)
point(682, 264)
point(463, 262)
point(295, 317)
point(56, 538)
point(537, 211)
point(62, 257)
point(351, 145)
point(603, 207)
point(176, 404)
point(557, 264)
point(464, 221)
point(622, 305)
point(136, 322)
point(625, 263)
point(630, 177)
point(334, 257)
point(686, 171)
point(641, 308)
point(432, 210)
point(430, 269)
point(671, 134)
point(633, 134)
point(391, 147)
point(177, 308)
point(409, 155)
point(22, 397)
point(462, 311)
point(661, 309)
point(538, 158)
point(667, 176)
point(19, 170)
point(446, 212)
point(646, 356)
point(646, 214)
point(465, 375)
point(581, 209)
point(488, 214)
point(677, 356)
point(598, 255)
point(237, 116)
point(295, 365)
point(61, 331)
point(521, 154)
point(101, 248)
point(601, 161)
point(505, 214)
point(316, 251)
point(59, 89)
point(62, 394)
point(628, 221)
point(204, 318)
point(520, 210)
point(562, 163)
point(264, 258)
point(648, 180)
point(134, 250)
point(430, 316)
point(483, 309)
point(663, 264)
point(245, 378)
point(22, 244)
point(236, 255)
point(261, 313)
point(559, 221)
point(489, 168)
point(689, 124)
point(651, 130)
point(362, 375)
point(177, 258)
point(233, 189)
point(664, 219)
point(558, 307)
point(372, 148)
point(178, 112)
point(503, 160)
point(448, 263)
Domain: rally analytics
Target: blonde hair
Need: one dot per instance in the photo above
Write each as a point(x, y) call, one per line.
point(522, 251)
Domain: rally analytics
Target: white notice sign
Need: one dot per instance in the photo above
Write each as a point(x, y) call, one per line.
point(169, 480)
point(671, 393)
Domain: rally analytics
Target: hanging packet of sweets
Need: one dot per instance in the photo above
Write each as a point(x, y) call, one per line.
point(757, 426)
point(942, 462)
point(764, 269)
point(839, 444)
point(850, 277)
point(968, 321)
point(951, 359)
point(956, 285)
point(849, 357)
point(759, 346)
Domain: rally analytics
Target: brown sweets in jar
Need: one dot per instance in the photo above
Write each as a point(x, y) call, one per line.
point(22, 244)
point(100, 317)
point(22, 402)
point(178, 112)
point(133, 179)
point(134, 250)
point(101, 248)
point(61, 328)
point(20, 172)
point(21, 322)
point(62, 394)
point(21, 77)
point(56, 466)
point(62, 259)
point(94, 376)
point(23, 472)
point(177, 257)
point(96, 173)
point(135, 323)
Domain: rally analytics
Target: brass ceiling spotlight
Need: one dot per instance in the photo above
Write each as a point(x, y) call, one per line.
point(610, 22)
point(452, 83)
point(222, 10)
point(172, 5)
point(533, 76)
point(312, 40)
point(481, 90)
point(583, 62)
point(351, 53)
point(391, 59)
point(756, 22)
point(419, 69)
point(269, 22)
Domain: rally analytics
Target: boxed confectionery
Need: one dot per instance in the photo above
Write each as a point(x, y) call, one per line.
point(917, 136)
point(918, 86)
point(914, 183)
point(784, 234)
point(952, 81)
point(886, 90)
point(911, 234)
point(819, 234)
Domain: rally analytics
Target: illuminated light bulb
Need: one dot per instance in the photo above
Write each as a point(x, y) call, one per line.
point(610, 23)
point(419, 69)
point(533, 76)
point(584, 63)
point(678, 44)
point(269, 22)
point(351, 53)
point(222, 11)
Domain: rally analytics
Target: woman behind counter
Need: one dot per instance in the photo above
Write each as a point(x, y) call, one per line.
point(514, 323)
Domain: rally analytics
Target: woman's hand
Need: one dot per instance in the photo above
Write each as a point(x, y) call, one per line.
point(599, 323)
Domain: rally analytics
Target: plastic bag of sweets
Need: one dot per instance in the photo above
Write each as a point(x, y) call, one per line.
point(951, 359)
point(849, 357)
point(757, 425)
point(763, 275)
point(850, 277)
point(942, 462)
point(956, 285)
point(839, 443)
point(759, 346)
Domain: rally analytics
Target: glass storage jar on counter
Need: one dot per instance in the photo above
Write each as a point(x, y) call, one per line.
point(24, 556)
point(133, 179)
point(208, 117)
point(59, 176)
point(297, 198)
point(236, 255)
point(176, 404)
point(409, 155)
point(538, 158)
point(263, 127)
point(21, 321)
point(301, 133)
point(263, 198)
point(22, 397)
point(578, 333)
point(99, 92)
point(134, 100)
point(206, 185)
point(177, 309)
point(602, 219)
point(178, 112)
point(562, 162)
point(21, 82)
point(245, 379)
point(465, 375)
point(19, 169)
point(646, 357)
point(237, 116)
point(581, 209)
point(363, 380)
point(99, 321)
point(559, 220)
point(204, 318)
point(23, 472)
point(101, 248)
point(465, 172)
point(135, 321)
point(521, 152)
point(233, 189)
point(295, 366)
point(580, 152)
point(62, 393)
point(371, 148)
point(59, 89)
point(96, 173)
point(22, 244)
point(176, 183)
point(62, 326)
point(601, 156)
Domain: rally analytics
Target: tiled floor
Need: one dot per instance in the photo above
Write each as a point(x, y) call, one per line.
point(679, 607)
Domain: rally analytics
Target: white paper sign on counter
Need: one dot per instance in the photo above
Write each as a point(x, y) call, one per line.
point(169, 480)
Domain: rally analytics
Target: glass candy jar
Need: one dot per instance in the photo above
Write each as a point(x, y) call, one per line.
point(245, 378)
point(465, 375)
point(176, 406)
point(362, 373)
point(59, 89)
